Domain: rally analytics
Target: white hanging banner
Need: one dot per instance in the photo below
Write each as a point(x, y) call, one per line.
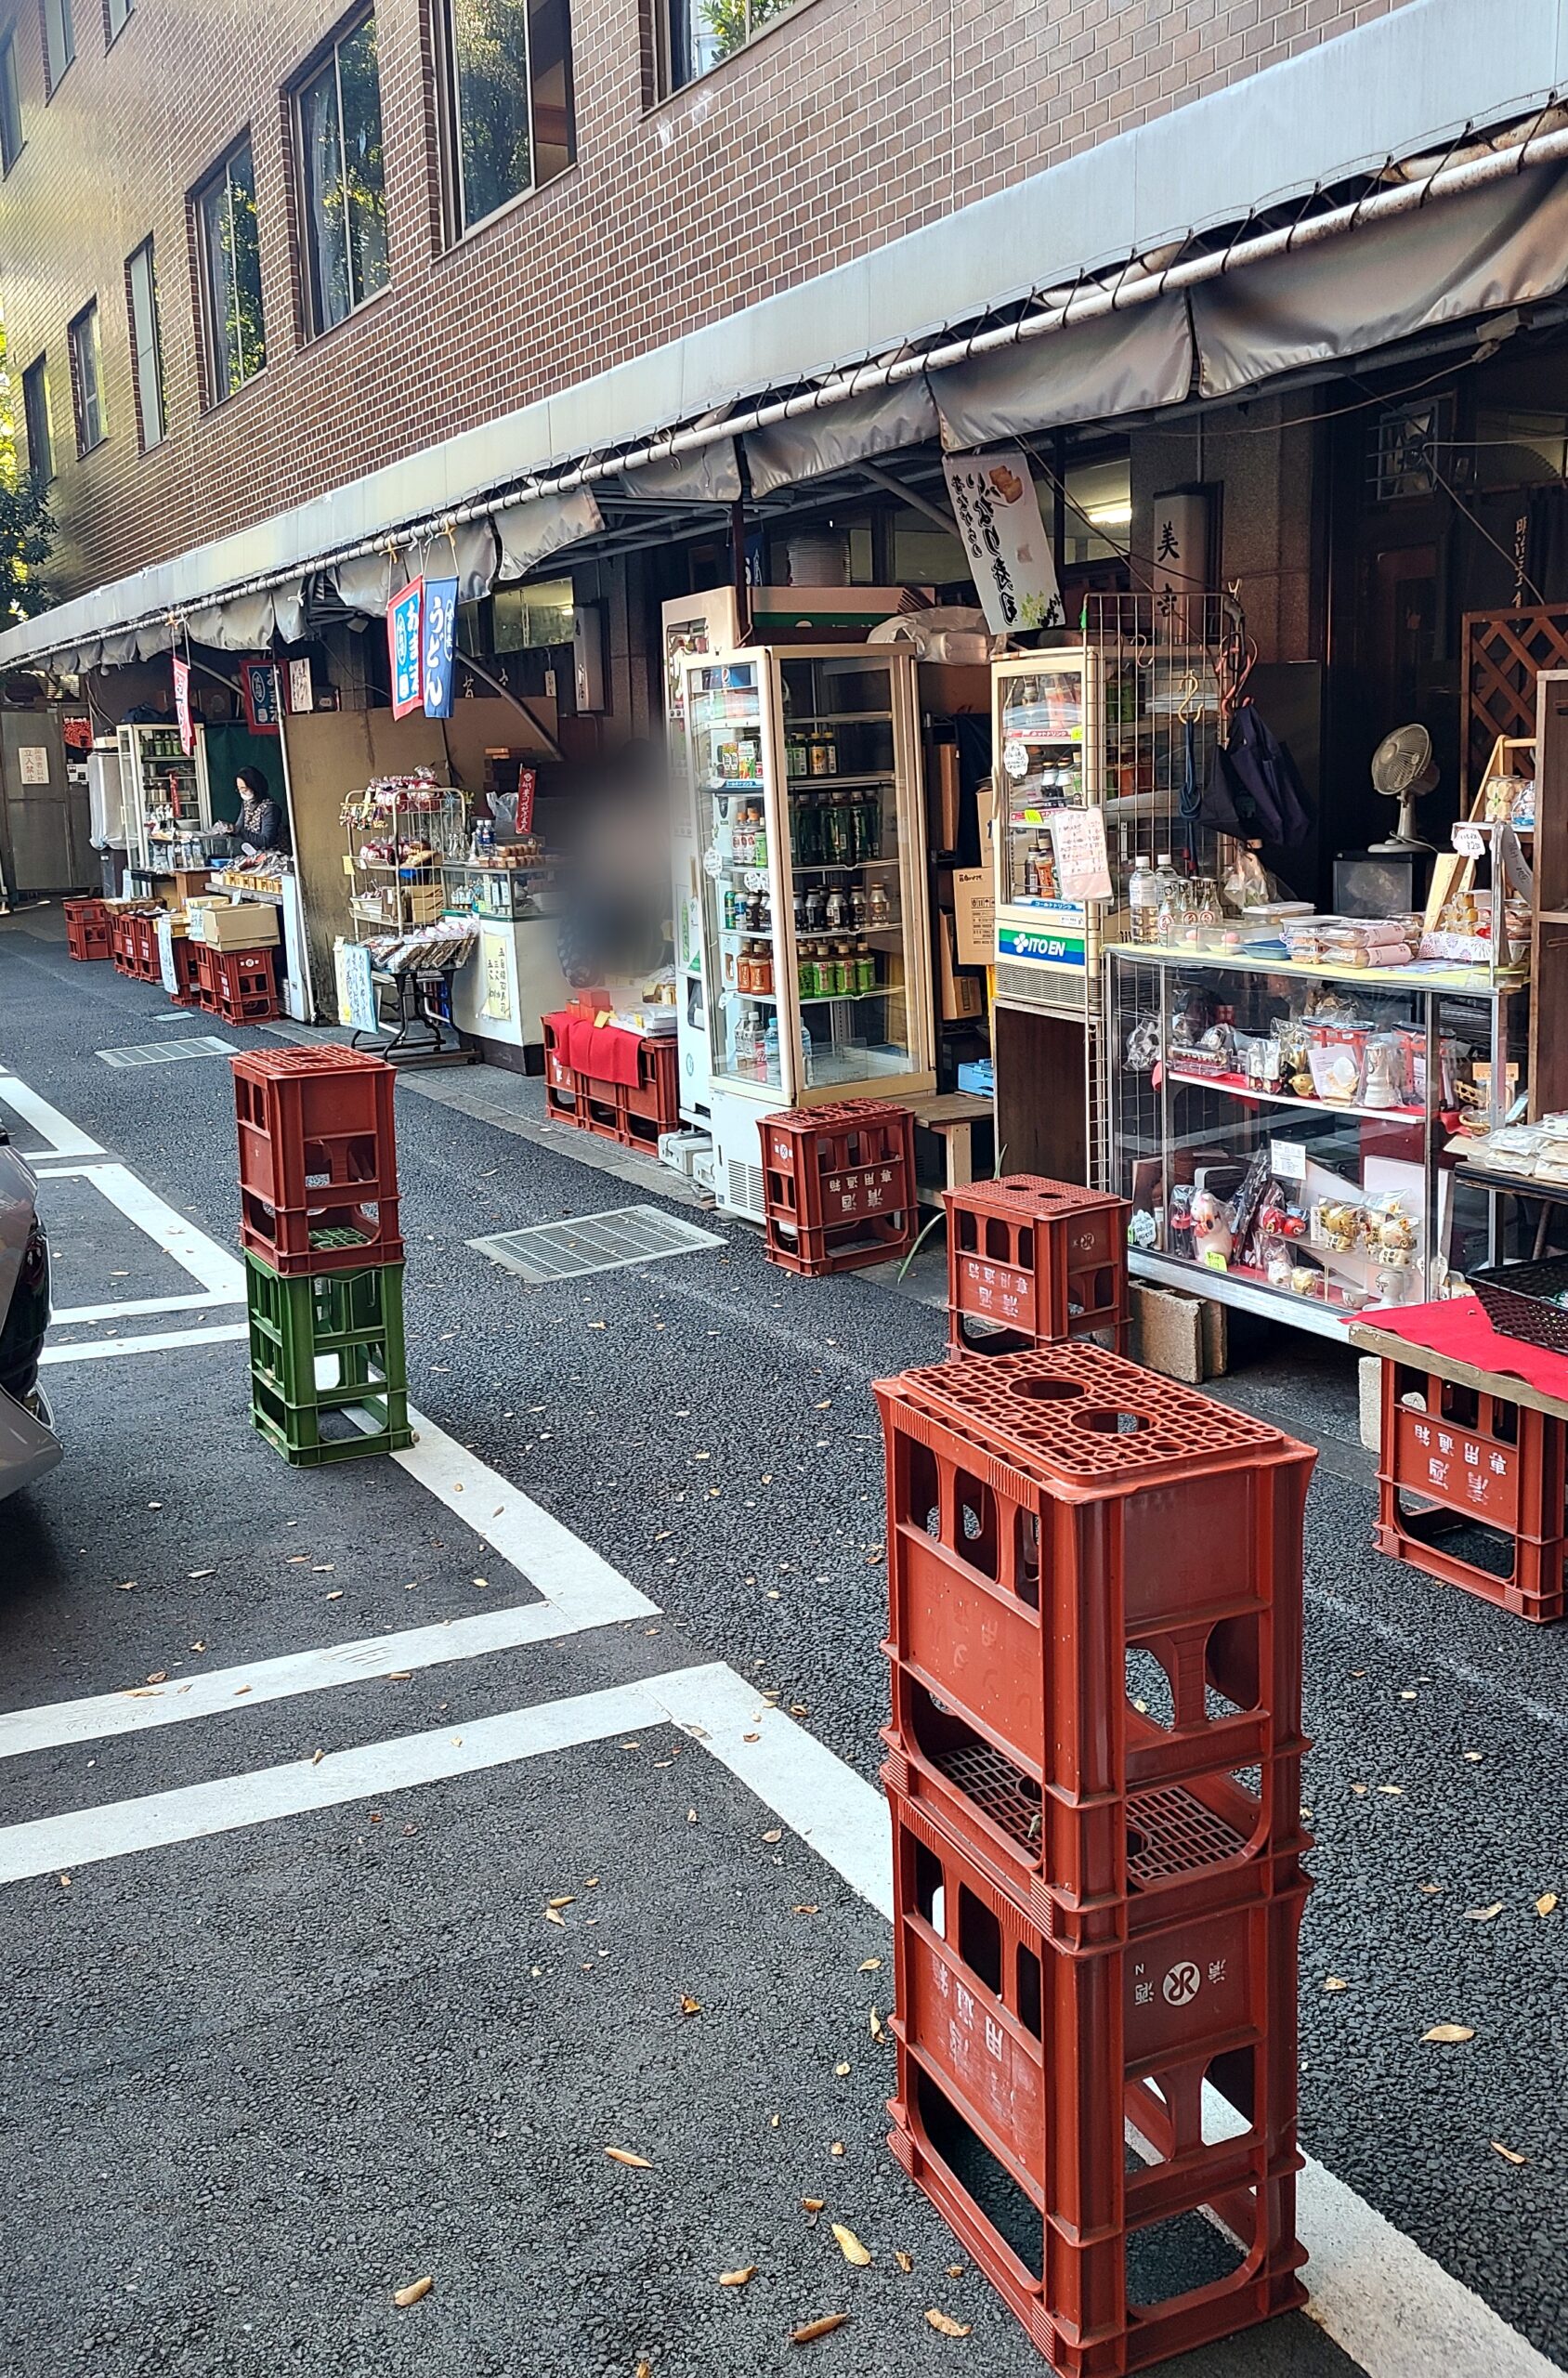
point(997, 506)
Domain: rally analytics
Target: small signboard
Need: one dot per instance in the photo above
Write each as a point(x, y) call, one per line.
point(406, 647)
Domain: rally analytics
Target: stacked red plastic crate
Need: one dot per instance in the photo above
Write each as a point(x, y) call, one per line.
point(238, 986)
point(1094, 1774)
point(87, 932)
point(1454, 1455)
point(839, 1185)
point(1030, 1260)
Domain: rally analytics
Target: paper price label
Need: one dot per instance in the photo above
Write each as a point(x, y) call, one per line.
point(1470, 841)
point(1287, 1160)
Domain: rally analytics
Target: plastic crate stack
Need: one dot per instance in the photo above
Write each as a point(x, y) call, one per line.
point(87, 929)
point(240, 986)
point(1031, 1260)
point(634, 1113)
point(839, 1185)
point(1094, 1776)
point(323, 1258)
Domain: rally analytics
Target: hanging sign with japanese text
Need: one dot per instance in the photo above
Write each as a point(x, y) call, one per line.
point(997, 507)
point(405, 646)
point(440, 629)
point(258, 688)
point(302, 689)
point(182, 706)
point(528, 784)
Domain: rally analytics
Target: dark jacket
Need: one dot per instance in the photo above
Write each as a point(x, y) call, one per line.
point(1254, 788)
point(260, 823)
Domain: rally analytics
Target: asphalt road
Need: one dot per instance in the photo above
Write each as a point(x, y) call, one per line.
point(251, 2083)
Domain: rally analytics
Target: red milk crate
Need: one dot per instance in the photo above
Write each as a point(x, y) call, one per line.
point(149, 965)
point(1095, 1582)
point(122, 942)
point(648, 1106)
point(1468, 1457)
point(839, 1184)
point(241, 985)
point(317, 1158)
point(87, 932)
point(1035, 1261)
point(560, 1081)
point(183, 951)
point(1019, 2065)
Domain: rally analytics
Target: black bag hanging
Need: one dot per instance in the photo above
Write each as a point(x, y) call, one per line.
point(1254, 788)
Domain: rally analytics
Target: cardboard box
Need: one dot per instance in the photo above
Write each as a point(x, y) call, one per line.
point(975, 914)
point(961, 994)
point(255, 926)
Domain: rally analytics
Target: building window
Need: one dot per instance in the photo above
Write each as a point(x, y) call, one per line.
point(505, 70)
point(229, 258)
point(10, 106)
point(117, 15)
point(59, 42)
point(343, 211)
point(146, 350)
point(35, 416)
point(86, 379)
point(696, 35)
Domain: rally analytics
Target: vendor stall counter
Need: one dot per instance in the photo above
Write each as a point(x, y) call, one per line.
point(501, 994)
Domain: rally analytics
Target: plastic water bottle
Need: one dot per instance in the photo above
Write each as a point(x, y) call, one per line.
point(807, 1053)
point(1143, 901)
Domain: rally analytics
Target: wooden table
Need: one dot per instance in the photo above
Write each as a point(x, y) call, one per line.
point(953, 1117)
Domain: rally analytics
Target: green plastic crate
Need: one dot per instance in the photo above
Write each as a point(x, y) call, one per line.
point(307, 1435)
point(324, 1339)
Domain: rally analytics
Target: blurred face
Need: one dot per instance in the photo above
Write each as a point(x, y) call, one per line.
point(242, 788)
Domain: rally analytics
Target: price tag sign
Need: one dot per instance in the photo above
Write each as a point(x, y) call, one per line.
point(1470, 841)
point(1288, 1160)
point(1083, 869)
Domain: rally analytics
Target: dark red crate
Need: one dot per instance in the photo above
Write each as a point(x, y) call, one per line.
point(312, 1118)
point(122, 943)
point(182, 950)
point(240, 986)
point(1020, 2066)
point(839, 1185)
point(1462, 1458)
point(1070, 1537)
point(1030, 1260)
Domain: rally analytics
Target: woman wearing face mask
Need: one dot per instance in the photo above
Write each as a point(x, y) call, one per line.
point(259, 826)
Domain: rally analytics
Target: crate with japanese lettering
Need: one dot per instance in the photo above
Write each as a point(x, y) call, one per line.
point(1095, 1582)
point(1025, 2072)
point(1473, 1489)
point(122, 941)
point(87, 929)
point(839, 1185)
point(1030, 1260)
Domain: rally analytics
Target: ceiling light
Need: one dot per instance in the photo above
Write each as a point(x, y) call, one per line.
point(1110, 515)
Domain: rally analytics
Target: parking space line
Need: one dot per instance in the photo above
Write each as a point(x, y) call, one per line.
point(64, 1137)
point(70, 1316)
point(158, 1342)
point(220, 1273)
point(144, 1708)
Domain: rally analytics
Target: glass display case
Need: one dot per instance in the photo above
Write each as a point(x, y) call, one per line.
point(1287, 1132)
point(498, 889)
point(167, 803)
point(803, 773)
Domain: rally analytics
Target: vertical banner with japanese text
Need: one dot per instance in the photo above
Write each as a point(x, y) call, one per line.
point(405, 647)
point(997, 507)
point(439, 632)
point(182, 706)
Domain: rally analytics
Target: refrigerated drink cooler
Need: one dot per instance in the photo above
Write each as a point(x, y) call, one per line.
point(810, 886)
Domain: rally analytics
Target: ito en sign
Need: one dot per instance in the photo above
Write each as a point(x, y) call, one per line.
point(997, 507)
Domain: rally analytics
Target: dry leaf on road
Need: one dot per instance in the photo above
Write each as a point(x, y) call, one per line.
point(870, 1965)
point(1508, 2154)
point(905, 2262)
point(851, 2247)
point(1333, 1981)
point(1483, 1915)
point(738, 2277)
point(1448, 2034)
point(624, 2155)
point(554, 1915)
point(811, 2203)
point(1546, 1903)
point(776, 1835)
point(877, 2030)
point(809, 2331)
point(944, 2326)
point(691, 2005)
point(411, 2293)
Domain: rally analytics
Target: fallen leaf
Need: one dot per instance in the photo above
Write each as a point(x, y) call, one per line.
point(399, 1676)
point(194, 1573)
point(837, 2146)
point(870, 1965)
point(411, 2293)
point(1333, 1982)
point(1546, 1903)
point(750, 1738)
point(644, 2370)
point(776, 1835)
point(562, 1899)
point(905, 2262)
point(159, 1676)
point(1394, 1791)
point(944, 2326)
point(317, 1757)
point(1432, 1890)
point(877, 2030)
point(1508, 2154)
point(336, 1594)
point(811, 2203)
point(851, 2247)
point(1473, 1757)
point(805, 1907)
point(1360, 1790)
point(65, 1882)
point(1483, 1915)
point(809, 2331)
point(691, 2005)
point(624, 2155)
point(127, 1585)
point(748, 2270)
point(554, 1915)
point(240, 1690)
point(1448, 2034)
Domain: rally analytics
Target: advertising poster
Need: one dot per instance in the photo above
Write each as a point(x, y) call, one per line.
point(258, 687)
point(182, 706)
point(997, 507)
point(406, 649)
point(439, 632)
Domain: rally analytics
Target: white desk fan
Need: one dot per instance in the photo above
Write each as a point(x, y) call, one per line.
point(1403, 767)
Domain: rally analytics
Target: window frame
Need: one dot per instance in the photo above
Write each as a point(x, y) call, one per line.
point(661, 39)
point(155, 324)
point(11, 104)
point(447, 101)
point(36, 377)
point(85, 324)
point(312, 319)
point(51, 12)
point(216, 386)
point(111, 31)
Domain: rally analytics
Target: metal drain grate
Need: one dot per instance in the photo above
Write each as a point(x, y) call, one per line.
point(164, 1053)
point(595, 1243)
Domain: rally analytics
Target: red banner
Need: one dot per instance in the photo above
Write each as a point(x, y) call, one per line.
point(182, 706)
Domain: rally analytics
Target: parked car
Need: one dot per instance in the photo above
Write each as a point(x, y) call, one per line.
point(28, 1444)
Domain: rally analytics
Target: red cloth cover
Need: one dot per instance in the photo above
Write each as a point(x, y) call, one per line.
point(1457, 1326)
point(602, 1051)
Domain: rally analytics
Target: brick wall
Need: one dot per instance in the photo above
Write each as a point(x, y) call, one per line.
point(849, 122)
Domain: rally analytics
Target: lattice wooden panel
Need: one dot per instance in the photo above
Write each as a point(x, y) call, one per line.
point(1504, 653)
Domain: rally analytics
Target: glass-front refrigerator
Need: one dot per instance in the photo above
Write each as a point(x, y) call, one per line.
point(1048, 735)
point(804, 776)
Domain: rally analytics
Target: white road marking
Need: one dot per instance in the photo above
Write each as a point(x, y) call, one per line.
point(47, 1121)
point(160, 1342)
point(1384, 2302)
point(142, 1707)
point(570, 1574)
point(218, 1272)
point(68, 1316)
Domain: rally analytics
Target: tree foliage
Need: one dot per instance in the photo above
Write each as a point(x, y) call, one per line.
point(26, 529)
